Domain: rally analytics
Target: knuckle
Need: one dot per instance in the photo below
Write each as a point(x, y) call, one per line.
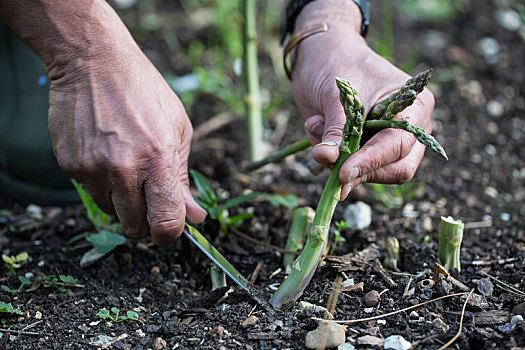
point(406, 173)
point(165, 231)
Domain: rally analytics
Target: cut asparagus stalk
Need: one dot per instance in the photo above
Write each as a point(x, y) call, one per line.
point(449, 242)
point(305, 265)
point(301, 224)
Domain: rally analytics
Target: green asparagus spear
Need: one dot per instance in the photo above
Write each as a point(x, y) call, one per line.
point(305, 265)
point(449, 242)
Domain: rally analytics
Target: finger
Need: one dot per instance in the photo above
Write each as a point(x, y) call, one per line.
point(314, 128)
point(101, 197)
point(194, 212)
point(130, 207)
point(327, 151)
point(166, 210)
point(385, 147)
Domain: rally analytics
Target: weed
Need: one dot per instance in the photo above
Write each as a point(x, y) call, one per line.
point(8, 310)
point(394, 196)
point(338, 236)
point(105, 239)
point(14, 262)
point(63, 283)
point(209, 200)
point(116, 317)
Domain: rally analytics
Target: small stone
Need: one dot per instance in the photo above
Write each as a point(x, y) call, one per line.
point(381, 322)
point(414, 314)
point(370, 340)
point(490, 49)
point(358, 215)
point(249, 321)
point(508, 19)
point(142, 247)
point(140, 333)
point(427, 224)
point(346, 346)
point(368, 310)
point(505, 217)
point(159, 343)
point(38, 315)
point(485, 287)
point(490, 149)
point(519, 309)
point(35, 211)
point(328, 335)
point(305, 306)
point(491, 192)
point(495, 108)
point(477, 301)
point(440, 326)
point(155, 270)
point(372, 298)
point(397, 342)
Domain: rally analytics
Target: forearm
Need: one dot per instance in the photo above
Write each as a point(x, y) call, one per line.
point(67, 34)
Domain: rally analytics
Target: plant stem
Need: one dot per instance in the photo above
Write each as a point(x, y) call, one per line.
point(279, 155)
point(251, 79)
point(304, 267)
point(449, 242)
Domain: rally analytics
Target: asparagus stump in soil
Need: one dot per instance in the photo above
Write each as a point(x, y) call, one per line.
point(449, 242)
point(305, 265)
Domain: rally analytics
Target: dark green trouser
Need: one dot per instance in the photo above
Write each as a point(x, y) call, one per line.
point(28, 168)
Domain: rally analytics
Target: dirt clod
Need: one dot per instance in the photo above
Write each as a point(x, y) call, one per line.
point(371, 299)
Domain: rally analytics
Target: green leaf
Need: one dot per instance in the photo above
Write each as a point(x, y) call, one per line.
point(106, 241)
point(9, 290)
point(97, 217)
point(6, 213)
point(132, 315)
point(104, 313)
point(67, 279)
point(289, 201)
point(238, 219)
point(206, 192)
point(76, 238)
point(115, 310)
point(8, 308)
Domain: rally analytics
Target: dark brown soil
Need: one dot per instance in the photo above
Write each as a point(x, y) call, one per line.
point(169, 287)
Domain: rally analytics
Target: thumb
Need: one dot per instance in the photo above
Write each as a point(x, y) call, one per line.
point(327, 151)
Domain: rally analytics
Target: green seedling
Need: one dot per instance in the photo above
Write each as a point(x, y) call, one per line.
point(106, 238)
point(449, 242)
point(14, 262)
point(63, 283)
point(209, 200)
point(116, 316)
point(6, 213)
point(338, 236)
point(394, 196)
point(8, 310)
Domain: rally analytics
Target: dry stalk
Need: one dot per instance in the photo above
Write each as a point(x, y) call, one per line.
point(460, 323)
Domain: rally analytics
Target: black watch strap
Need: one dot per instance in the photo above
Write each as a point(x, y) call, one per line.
point(294, 7)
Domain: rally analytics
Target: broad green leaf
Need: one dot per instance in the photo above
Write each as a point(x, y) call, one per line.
point(238, 219)
point(67, 279)
point(289, 201)
point(132, 315)
point(97, 217)
point(105, 241)
point(206, 192)
point(8, 308)
point(115, 310)
point(104, 313)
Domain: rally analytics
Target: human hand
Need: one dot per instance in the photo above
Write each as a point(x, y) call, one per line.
point(119, 129)
point(390, 156)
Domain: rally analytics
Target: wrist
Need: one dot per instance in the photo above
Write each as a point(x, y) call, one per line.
point(333, 12)
point(72, 37)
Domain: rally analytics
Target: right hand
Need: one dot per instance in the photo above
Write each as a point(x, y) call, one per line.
point(119, 129)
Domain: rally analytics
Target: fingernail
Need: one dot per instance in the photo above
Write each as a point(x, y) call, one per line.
point(345, 191)
point(328, 143)
point(354, 174)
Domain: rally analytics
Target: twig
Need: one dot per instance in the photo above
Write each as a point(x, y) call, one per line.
point(214, 123)
point(441, 270)
point(460, 323)
point(391, 313)
point(334, 296)
point(488, 262)
point(511, 288)
point(256, 271)
point(32, 325)
point(12, 331)
point(120, 337)
point(384, 273)
point(477, 224)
